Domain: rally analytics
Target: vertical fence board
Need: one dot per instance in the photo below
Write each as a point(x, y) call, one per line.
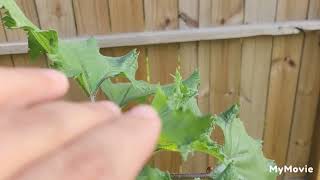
point(204, 57)
point(255, 68)
point(306, 98)
point(225, 60)
point(285, 67)
point(58, 15)
point(225, 74)
point(314, 9)
point(92, 17)
point(305, 105)
point(189, 14)
point(13, 35)
point(292, 10)
point(314, 13)
point(163, 60)
point(128, 16)
point(315, 154)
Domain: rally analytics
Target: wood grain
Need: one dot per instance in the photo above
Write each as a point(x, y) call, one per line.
point(225, 60)
point(58, 15)
point(315, 154)
point(305, 105)
point(314, 10)
point(255, 68)
point(282, 89)
point(314, 13)
point(306, 98)
point(204, 57)
point(92, 17)
point(286, 60)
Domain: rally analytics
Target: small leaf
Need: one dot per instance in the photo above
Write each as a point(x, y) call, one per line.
point(184, 129)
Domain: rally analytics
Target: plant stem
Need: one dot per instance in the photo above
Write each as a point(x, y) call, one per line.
point(93, 98)
point(190, 175)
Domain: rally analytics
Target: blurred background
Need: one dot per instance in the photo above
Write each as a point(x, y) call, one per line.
point(276, 79)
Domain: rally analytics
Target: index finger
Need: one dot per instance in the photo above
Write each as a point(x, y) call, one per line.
point(22, 86)
point(114, 151)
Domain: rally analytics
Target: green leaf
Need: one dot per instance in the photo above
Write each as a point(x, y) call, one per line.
point(184, 129)
point(149, 173)
point(83, 61)
point(122, 93)
point(42, 42)
point(244, 157)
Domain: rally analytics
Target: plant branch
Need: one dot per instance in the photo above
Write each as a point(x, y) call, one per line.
point(93, 98)
point(190, 175)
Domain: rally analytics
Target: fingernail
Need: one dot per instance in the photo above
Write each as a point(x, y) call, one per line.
point(56, 76)
point(144, 111)
point(110, 105)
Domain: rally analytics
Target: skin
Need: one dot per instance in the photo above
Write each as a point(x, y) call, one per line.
point(45, 138)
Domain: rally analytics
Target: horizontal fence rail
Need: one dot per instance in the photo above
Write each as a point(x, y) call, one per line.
point(175, 36)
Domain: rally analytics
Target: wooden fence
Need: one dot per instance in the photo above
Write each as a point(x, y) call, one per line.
point(276, 79)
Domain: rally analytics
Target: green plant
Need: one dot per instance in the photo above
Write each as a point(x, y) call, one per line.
point(185, 129)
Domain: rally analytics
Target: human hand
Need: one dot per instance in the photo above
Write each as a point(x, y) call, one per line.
point(48, 139)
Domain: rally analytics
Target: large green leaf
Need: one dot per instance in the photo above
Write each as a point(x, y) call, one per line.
point(149, 173)
point(244, 157)
point(184, 129)
point(83, 61)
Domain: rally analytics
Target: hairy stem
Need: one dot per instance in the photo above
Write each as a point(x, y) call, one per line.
point(93, 98)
